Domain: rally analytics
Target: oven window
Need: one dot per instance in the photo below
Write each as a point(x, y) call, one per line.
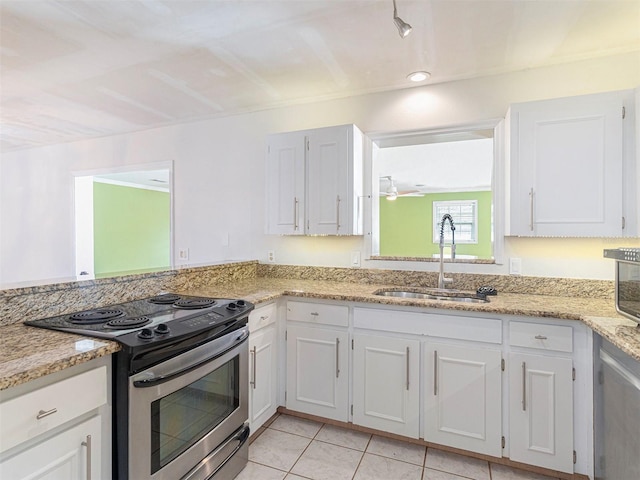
point(183, 417)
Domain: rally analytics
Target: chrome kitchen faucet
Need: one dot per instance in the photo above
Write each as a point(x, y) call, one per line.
point(442, 280)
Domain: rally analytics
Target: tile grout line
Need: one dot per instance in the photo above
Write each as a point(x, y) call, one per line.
point(362, 452)
point(305, 448)
point(362, 457)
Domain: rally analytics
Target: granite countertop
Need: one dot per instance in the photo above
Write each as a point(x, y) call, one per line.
point(27, 353)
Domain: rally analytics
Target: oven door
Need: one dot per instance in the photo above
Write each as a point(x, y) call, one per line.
point(184, 410)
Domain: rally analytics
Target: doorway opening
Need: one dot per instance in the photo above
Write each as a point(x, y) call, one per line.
point(123, 221)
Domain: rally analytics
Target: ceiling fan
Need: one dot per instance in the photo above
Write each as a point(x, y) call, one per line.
point(392, 191)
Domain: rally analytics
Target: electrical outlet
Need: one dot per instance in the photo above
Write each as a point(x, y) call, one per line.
point(355, 259)
point(183, 254)
point(271, 256)
point(515, 266)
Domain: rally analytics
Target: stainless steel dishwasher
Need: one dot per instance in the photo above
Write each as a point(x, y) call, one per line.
point(617, 413)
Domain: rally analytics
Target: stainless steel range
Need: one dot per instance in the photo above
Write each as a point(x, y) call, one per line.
point(180, 384)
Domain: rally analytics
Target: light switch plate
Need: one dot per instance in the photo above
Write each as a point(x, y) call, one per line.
point(355, 259)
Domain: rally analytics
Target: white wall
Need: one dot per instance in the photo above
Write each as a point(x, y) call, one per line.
point(219, 175)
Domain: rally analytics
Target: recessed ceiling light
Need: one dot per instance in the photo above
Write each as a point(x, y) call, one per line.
point(418, 76)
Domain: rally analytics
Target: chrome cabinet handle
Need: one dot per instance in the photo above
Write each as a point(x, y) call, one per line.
point(43, 413)
point(254, 353)
point(531, 209)
point(337, 357)
point(338, 212)
point(435, 372)
point(296, 211)
point(314, 314)
point(408, 368)
point(540, 337)
point(524, 386)
point(87, 443)
point(264, 317)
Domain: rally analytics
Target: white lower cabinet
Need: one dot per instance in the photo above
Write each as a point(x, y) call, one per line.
point(386, 384)
point(318, 371)
point(263, 370)
point(463, 397)
point(58, 427)
point(438, 375)
point(73, 454)
point(263, 365)
point(541, 411)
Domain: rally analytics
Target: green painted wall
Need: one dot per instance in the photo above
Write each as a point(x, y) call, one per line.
point(406, 225)
point(131, 229)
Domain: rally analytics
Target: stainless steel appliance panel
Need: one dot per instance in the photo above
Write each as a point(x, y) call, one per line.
point(617, 413)
point(183, 409)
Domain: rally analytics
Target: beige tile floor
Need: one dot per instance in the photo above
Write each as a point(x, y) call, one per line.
point(292, 448)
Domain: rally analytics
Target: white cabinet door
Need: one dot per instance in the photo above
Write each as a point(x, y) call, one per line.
point(285, 173)
point(331, 194)
point(386, 384)
point(463, 397)
point(62, 457)
point(314, 181)
point(318, 371)
point(541, 411)
point(263, 369)
point(566, 167)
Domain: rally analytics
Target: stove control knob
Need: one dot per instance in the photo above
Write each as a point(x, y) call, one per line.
point(241, 303)
point(162, 329)
point(232, 307)
point(145, 334)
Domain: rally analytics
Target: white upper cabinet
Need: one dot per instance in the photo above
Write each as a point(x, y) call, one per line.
point(567, 167)
point(314, 182)
point(285, 175)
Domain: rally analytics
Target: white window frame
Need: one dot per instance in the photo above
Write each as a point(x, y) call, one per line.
point(440, 207)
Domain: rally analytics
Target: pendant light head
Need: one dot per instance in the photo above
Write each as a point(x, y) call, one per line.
point(404, 28)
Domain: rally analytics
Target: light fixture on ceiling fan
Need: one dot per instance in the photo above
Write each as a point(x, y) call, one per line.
point(404, 28)
point(392, 191)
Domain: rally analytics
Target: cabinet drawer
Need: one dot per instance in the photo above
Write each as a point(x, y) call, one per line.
point(459, 327)
point(66, 400)
point(262, 316)
point(544, 337)
point(318, 313)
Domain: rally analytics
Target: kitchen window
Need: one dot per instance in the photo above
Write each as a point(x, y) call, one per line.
point(419, 176)
point(465, 218)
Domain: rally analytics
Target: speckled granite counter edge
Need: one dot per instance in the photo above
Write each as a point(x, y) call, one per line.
point(37, 302)
point(563, 287)
point(17, 305)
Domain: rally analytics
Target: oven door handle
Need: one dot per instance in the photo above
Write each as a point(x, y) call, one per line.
point(203, 470)
point(153, 381)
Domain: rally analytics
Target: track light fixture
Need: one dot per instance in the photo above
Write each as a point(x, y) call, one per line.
point(404, 28)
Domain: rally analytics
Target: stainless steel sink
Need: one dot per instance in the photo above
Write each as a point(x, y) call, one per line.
point(449, 296)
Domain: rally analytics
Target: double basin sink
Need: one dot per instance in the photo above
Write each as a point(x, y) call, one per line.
point(435, 294)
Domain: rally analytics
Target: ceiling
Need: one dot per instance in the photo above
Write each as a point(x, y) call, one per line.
point(149, 179)
point(72, 70)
